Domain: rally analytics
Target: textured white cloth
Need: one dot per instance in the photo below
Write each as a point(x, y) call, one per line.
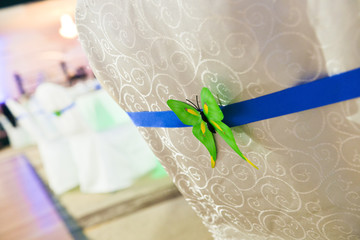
point(146, 52)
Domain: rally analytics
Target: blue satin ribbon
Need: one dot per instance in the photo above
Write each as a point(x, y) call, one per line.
point(56, 113)
point(61, 111)
point(322, 92)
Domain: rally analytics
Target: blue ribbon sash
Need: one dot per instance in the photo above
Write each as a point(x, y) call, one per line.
point(322, 92)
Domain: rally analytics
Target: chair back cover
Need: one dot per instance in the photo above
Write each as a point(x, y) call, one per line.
point(104, 152)
point(307, 185)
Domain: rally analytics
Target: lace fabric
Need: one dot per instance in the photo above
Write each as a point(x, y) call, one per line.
point(146, 52)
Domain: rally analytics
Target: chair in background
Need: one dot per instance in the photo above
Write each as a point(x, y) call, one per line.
point(109, 154)
point(54, 149)
point(18, 136)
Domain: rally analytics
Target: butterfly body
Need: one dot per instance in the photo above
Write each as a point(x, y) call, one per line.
point(206, 122)
point(204, 118)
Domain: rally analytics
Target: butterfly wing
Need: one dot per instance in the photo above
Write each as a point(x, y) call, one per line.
point(190, 116)
point(203, 134)
point(186, 113)
point(210, 107)
point(226, 133)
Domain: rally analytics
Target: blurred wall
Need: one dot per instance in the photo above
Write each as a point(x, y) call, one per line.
point(30, 45)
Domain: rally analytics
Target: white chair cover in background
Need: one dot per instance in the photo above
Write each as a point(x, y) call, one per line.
point(53, 97)
point(54, 149)
point(100, 112)
point(18, 136)
point(112, 154)
point(146, 52)
point(109, 153)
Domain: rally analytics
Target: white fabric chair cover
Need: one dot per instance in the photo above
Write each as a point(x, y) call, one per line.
point(107, 158)
point(54, 97)
point(59, 165)
point(146, 52)
point(54, 149)
point(100, 112)
point(113, 153)
point(111, 159)
point(18, 137)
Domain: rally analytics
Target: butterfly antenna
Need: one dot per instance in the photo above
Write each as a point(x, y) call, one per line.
point(197, 102)
point(219, 100)
point(192, 103)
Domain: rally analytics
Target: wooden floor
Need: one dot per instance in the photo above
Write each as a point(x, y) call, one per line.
point(26, 210)
point(151, 209)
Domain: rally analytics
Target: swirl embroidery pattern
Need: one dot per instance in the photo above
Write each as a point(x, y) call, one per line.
point(146, 52)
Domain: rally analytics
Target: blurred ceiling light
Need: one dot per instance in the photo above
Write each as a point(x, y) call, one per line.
point(68, 28)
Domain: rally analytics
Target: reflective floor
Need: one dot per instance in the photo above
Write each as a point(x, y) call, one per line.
point(27, 211)
point(150, 209)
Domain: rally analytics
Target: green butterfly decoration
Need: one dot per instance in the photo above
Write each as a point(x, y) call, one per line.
point(205, 122)
point(57, 113)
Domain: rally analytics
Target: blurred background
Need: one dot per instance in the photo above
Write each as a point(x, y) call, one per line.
point(72, 165)
point(40, 34)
